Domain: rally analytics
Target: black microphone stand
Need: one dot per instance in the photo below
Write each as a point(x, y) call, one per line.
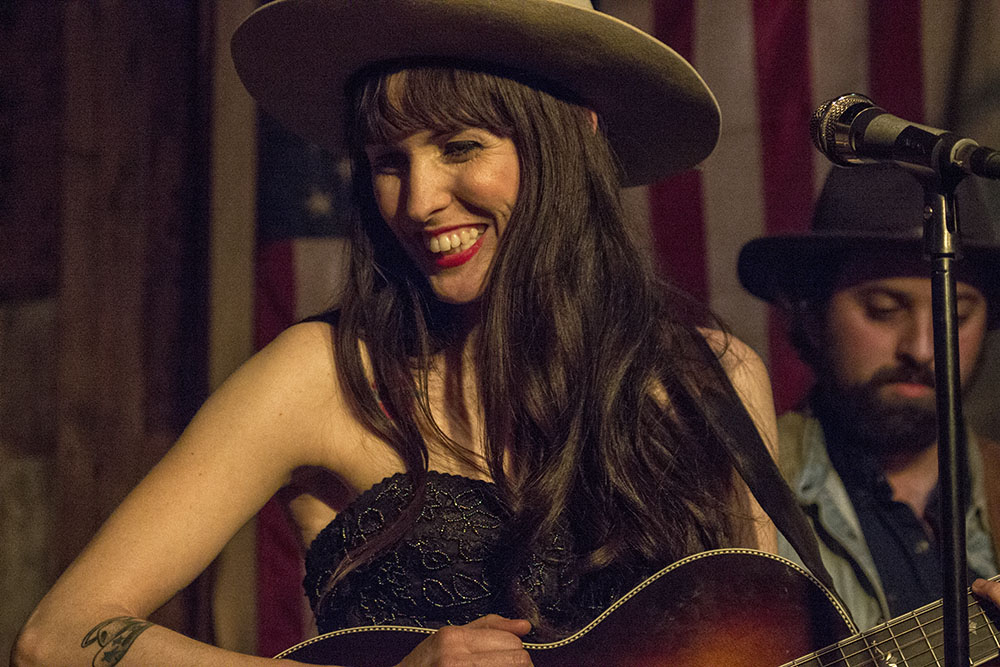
point(942, 242)
point(939, 160)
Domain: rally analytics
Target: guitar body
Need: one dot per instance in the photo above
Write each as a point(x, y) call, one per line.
point(730, 607)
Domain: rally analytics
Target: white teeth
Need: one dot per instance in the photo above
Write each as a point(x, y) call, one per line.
point(457, 241)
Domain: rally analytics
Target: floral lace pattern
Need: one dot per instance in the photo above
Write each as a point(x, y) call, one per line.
point(445, 569)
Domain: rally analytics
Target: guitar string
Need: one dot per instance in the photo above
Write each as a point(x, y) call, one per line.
point(893, 639)
point(932, 642)
point(972, 604)
point(915, 615)
point(990, 641)
point(925, 640)
point(979, 614)
point(993, 633)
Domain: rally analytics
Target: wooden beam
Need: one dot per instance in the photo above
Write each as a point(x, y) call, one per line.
point(233, 227)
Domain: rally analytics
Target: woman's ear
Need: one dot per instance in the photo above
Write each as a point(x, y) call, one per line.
point(593, 119)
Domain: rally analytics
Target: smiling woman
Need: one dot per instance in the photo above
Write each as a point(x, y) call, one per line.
point(447, 197)
point(448, 192)
point(508, 388)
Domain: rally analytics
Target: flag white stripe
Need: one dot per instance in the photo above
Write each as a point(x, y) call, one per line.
point(939, 20)
point(320, 270)
point(838, 53)
point(732, 176)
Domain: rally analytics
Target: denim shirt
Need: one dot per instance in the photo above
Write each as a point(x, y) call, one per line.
point(806, 466)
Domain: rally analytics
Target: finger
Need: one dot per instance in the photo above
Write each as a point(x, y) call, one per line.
point(477, 640)
point(987, 589)
point(517, 626)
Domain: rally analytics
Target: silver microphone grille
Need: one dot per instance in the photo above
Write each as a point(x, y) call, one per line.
point(825, 126)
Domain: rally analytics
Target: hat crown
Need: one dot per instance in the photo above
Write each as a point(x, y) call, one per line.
point(886, 200)
point(297, 57)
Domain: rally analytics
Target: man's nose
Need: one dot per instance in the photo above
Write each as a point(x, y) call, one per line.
point(428, 190)
point(917, 340)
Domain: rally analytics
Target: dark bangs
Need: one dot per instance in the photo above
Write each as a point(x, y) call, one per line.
point(394, 103)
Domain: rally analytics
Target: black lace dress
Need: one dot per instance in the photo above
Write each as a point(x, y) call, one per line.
point(445, 569)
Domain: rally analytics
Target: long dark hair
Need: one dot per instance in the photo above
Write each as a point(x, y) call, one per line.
point(596, 388)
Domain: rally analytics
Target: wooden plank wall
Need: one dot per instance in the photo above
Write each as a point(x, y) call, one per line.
point(103, 208)
point(30, 117)
point(30, 185)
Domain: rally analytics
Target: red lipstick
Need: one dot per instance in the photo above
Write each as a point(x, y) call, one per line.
point(447, 261)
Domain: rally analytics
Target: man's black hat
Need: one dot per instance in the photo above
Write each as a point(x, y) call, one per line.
point(875, 210)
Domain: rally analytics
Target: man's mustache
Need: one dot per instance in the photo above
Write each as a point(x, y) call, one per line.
point(921, 374)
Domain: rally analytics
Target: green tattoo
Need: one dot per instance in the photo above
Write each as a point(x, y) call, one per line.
point(115, 637)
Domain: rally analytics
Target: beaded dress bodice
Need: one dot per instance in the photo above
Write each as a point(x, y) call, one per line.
point(445, 569)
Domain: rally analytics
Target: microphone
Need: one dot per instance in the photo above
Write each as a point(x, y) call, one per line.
point(851, 130)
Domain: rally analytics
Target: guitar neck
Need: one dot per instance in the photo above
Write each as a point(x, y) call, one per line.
point(910, 640)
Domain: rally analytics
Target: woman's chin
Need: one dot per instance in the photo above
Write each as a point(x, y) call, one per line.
point(458, 299)
point(456, 293)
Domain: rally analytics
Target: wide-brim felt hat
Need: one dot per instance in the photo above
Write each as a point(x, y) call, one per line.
point(874, 211)
point(296, 57)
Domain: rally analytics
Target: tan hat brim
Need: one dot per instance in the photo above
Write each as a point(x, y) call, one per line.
point(296, 56)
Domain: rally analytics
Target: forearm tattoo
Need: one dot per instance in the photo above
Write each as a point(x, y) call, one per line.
point(115, 637)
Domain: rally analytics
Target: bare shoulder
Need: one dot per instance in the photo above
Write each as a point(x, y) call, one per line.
point(734, 355)
point(298, 362)
point(304, 347)
point(750, 378)
point(287, 393)
point(313, 412)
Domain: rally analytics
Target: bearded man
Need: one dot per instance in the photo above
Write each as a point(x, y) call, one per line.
point(861, 453)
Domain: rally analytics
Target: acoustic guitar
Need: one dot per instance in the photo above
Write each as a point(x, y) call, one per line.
point(722, 608)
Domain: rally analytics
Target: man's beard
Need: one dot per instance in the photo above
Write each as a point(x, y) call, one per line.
point(883, 428)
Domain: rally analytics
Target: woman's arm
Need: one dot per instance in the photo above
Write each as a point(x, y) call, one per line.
point(749, 377)
point(272, 416)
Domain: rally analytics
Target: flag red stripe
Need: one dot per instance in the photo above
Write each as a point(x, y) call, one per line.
point(895, 65)
point(274, 292)
point(678, 233)
point(784, 108)
point(677, 224)
point(279, 579)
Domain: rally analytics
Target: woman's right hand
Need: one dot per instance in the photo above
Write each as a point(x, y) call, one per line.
point(486, 641)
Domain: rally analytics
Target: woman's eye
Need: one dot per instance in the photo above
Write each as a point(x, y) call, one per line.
point(388, 163)
point(458, 150)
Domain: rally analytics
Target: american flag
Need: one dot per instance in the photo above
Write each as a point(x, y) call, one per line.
point(770, 63)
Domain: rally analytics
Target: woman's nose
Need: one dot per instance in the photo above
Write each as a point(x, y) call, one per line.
point(427, 190)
